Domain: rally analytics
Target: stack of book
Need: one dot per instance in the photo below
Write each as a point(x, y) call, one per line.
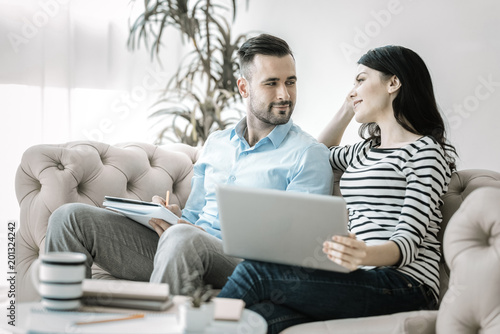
point(126, 294)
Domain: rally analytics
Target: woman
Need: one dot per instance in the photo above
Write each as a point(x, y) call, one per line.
point(392, 182)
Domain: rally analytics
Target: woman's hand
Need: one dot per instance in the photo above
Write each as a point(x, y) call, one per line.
point(348, 105)
point(332, 134)
point(346, 251)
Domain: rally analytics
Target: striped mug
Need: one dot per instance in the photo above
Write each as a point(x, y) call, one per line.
point(58, 278)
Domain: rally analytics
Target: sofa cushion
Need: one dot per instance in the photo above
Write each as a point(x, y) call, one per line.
point(421, 322)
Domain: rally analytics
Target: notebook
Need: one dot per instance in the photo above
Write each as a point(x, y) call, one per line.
point(280, 226)
point(140, 211)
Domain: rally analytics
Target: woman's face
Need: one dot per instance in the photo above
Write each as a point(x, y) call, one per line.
point(370, 95)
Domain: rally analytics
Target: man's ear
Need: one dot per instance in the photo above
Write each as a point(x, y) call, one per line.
point(394, 84)
point(243, 87)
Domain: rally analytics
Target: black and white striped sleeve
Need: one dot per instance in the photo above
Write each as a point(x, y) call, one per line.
point(426, 173)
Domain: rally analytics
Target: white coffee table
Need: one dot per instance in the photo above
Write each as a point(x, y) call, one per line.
point(32, 317)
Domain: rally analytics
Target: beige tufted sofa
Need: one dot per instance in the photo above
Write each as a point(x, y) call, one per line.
point(51, 175)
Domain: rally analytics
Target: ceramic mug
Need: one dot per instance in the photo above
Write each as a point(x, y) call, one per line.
point(58, 278)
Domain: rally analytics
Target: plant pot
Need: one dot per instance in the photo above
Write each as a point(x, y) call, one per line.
point(209, 309)
point(195, 320)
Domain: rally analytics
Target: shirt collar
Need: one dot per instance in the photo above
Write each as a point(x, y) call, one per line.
point(279, 133)
point(239, 129)
point(276, 136)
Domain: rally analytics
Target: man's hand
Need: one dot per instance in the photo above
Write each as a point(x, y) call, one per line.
point(182, 221)
point(174, 207)
point(346, 251)
point(160, 225)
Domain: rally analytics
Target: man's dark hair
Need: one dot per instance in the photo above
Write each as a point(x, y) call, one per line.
point(263, 44)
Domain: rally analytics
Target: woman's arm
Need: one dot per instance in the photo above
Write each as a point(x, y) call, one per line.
point(428, 175)
point(352, 253)
point(334, 130)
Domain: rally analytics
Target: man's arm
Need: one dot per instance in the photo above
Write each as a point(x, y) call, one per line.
point(313, 173)
point(196, 199)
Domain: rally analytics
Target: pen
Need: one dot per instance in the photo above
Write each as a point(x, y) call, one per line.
point(167, 197)
point(134, 316)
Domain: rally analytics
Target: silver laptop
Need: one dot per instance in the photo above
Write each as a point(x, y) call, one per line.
point(280, 226)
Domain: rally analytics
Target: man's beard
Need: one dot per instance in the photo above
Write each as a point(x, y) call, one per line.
point(279, 104)
point(269, 117)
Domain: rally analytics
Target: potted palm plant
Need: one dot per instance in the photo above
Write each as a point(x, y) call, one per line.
point(204, 86)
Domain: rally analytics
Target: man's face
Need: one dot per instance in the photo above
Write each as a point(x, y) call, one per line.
point(272, 90)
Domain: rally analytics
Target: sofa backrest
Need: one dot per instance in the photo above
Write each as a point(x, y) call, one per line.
point(52, 175)
point(462, 184)
point(472, 248)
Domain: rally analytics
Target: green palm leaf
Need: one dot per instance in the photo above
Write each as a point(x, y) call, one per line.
point(205, 83)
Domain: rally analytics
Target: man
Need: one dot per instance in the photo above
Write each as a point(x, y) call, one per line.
point(265, 149)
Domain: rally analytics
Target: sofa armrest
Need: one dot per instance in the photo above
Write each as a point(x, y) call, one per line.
point(52, 175)
point(472, 252)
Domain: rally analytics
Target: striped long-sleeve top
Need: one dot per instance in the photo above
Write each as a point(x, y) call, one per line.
point(395, 194)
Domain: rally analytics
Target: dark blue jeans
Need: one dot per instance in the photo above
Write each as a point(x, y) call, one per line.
point(287, 295)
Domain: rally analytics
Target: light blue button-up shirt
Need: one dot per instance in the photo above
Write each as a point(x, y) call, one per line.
point(287, 159)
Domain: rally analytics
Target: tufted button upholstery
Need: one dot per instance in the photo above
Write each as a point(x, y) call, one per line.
point(472, 248)
point(462, 184)
point(51, 175)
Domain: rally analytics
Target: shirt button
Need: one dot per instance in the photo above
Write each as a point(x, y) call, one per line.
point(232, 178)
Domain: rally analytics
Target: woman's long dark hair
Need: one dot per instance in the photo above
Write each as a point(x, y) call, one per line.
point(415, 107)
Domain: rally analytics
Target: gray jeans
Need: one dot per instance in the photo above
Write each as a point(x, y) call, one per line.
point(128, 250)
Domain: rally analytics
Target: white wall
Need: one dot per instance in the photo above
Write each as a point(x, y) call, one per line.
point(458, 41)
point(66, 74)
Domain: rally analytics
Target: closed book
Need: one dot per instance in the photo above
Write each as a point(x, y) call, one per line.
point(138, 304)
point(127, 294)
